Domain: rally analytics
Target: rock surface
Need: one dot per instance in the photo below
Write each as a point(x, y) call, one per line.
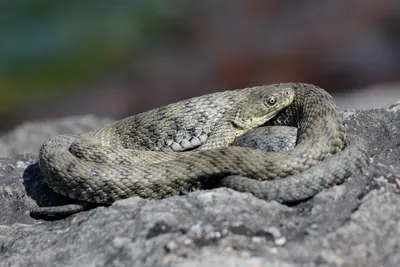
point(28, 137)
point(353, 224)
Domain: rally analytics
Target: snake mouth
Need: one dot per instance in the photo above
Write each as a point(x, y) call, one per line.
point(271, 116)
point(255, 122)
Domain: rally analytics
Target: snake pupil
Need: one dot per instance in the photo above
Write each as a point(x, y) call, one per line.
point(271, 100)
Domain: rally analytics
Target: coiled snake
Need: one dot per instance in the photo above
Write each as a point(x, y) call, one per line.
point(137, 156)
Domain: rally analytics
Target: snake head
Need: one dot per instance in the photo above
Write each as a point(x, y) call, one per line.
point(261, 105)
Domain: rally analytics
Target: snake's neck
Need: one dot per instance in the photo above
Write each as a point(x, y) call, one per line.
point(317, 117)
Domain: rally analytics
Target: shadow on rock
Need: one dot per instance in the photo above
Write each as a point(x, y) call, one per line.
point(51, 206)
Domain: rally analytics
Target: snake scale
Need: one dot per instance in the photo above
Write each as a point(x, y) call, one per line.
point(137, 156)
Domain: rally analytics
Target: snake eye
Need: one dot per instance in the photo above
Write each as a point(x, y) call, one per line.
point(271, 100)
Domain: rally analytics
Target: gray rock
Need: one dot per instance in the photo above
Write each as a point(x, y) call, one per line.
point(28, 137)
point(353, 224)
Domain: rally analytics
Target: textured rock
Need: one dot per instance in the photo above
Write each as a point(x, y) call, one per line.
point(353, 224)
point(28, 137)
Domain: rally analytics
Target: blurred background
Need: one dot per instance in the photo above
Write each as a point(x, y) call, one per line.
point(117, 58)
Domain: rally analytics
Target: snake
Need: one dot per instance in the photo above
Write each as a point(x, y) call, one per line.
point(173, 149)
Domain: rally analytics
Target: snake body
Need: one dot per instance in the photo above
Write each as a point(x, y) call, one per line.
point(137, 156)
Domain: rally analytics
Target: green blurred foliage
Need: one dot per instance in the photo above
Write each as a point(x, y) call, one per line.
point(48, 45)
